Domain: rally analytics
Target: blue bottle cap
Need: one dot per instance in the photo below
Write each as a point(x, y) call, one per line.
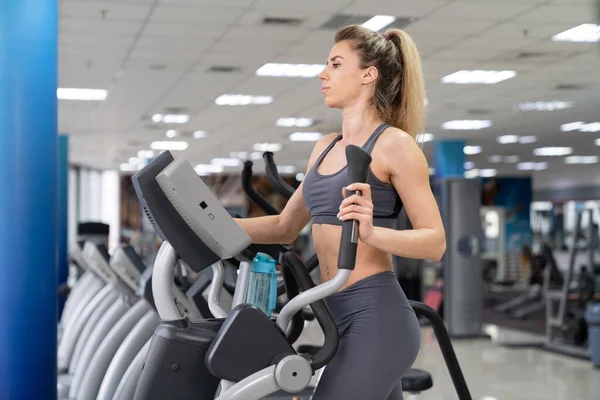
point(263, 263)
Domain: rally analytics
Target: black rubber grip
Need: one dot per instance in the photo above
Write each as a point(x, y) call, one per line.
point(358, 161)
point(291, 288)
point(330, 330)
point(273, 176)
point(252, 194)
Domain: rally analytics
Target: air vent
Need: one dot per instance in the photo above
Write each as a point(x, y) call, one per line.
point(157, 67)
point(478, 111)
point(224, 69)
point(281, 21)
point(176, 110)
point(149, 216)
point(531, 54)
point(569, 86)
point(337, 21)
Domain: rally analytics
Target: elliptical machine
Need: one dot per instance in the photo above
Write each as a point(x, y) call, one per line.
point(248, 353)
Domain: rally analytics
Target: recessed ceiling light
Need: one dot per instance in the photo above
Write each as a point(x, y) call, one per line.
point(145, 154)
point(527, 139)
point(506, 139)
point(470, 150)
point(495, 159)
point(274, 147)
point(286, 169)
point(305, 136)
point(171, 133)
point(553, 151)
point(171, 118)
point(469, 165)
point(425, 137)
point(226, 162)
point(572, 126)
point(242, 155)
point(199, 134)
point(487, 173)
point(242, 100)
point(290, 70)
point(298, 122)
point(379, 22)
point(530, 166)
point(591, 127)
point(581, 126)
point(255, 155)
point(511, 159)
point(478, 76)
point(597, 142)
point(472, 173)
point(580, 33)
point(545, 105)
point(170, 145)
point(467, 124)
point(81, 94)
point(208, 169)
point(581, 160)
point(300, 176)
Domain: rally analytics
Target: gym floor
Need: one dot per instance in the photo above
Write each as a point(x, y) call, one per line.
point(494, 372)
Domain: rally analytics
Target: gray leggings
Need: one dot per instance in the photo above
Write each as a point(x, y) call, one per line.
point(379, 341)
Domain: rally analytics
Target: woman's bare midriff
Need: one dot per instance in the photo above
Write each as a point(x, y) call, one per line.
point(369, 260)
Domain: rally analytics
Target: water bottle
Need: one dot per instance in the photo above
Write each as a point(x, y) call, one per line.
point(262, 285)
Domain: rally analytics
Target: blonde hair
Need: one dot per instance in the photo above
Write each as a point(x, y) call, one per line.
point(399, 96)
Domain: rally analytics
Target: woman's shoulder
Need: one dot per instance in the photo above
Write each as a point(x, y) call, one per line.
point(399, 146)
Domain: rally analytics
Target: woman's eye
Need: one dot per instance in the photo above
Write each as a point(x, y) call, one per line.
point(336, 65)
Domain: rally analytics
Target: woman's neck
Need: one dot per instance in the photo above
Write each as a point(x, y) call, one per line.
point(358, 123)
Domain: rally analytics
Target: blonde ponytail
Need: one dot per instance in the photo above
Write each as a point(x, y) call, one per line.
point(410, 116)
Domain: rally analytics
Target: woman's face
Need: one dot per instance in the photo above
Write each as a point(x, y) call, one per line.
point(342, 80)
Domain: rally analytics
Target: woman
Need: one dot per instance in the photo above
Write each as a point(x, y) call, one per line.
point(376, 81)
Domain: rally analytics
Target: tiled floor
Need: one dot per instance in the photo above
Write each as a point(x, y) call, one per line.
point(494, 372)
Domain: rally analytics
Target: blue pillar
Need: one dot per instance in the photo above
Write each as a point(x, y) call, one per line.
point(63, 215)
point(449, 158)
point(28, 198)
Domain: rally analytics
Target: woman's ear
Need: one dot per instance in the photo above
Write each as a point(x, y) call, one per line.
point(369, 75)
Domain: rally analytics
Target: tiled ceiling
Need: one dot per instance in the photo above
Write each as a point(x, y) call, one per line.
point(154, 54)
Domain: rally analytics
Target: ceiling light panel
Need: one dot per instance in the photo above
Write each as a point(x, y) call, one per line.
point(527, 139)
point(290, 70)
point(581, 160)
point(295, 122)
point(545, 105)
point(467, 124)
point(580, 33)
point(470, 150)
point(305, 136)
point(379, 22)
point(242, 100)
point(273, 147)
point(507, 139)
point(553, 151)
point(169, 145)
point(478, 77)
point(81, 94)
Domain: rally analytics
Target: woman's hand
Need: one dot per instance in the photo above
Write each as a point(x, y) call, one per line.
point(359, 208)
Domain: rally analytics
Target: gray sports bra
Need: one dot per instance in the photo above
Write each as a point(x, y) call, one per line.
point(323, 193)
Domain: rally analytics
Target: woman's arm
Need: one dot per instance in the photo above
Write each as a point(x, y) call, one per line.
point(285, 227)
point(409, 174)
